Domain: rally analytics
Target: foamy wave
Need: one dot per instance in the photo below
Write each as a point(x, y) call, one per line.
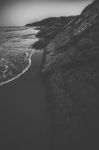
point(26, 69)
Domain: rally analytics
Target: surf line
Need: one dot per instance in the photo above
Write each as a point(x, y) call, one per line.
point(26, 69)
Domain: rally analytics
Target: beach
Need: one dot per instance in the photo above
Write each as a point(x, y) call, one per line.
point(24, 118)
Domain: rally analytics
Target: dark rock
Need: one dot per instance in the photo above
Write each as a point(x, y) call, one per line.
point(49, 22)
point(48, 29)
point(40, 44)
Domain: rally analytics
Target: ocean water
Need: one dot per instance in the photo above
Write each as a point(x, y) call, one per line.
point(15, 51)
point(16, 38)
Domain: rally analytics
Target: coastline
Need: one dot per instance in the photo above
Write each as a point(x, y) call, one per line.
point(23, 110)
point(7, 75)
point(53, 104)
point(26, 69)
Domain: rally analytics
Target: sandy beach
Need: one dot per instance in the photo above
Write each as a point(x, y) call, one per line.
point(24, 119)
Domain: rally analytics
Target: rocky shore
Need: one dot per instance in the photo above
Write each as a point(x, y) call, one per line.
point(70, 71)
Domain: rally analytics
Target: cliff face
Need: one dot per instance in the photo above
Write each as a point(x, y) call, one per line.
point(71, 72)
point(49, 22)
point(49, 28)
point(71, 35)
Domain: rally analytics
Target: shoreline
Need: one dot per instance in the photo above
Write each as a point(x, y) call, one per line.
point(23, 110)
point(26, 69)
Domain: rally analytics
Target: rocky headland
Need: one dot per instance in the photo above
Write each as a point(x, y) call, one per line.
point(70, 71)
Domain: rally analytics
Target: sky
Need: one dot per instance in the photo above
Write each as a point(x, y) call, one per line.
point(21, 12)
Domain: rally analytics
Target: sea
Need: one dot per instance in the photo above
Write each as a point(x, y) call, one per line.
point(17, 40)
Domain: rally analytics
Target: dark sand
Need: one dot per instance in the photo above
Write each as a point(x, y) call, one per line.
point(24, 121)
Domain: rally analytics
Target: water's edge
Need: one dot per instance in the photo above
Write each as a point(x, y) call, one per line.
point(23, 71)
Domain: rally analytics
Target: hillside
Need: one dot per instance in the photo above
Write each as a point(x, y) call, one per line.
point(70, 71)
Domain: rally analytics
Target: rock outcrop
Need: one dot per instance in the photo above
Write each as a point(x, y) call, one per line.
point(49, 28)
point(70, 70)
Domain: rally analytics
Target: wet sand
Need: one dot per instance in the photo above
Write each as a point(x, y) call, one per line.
point(24, 121)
